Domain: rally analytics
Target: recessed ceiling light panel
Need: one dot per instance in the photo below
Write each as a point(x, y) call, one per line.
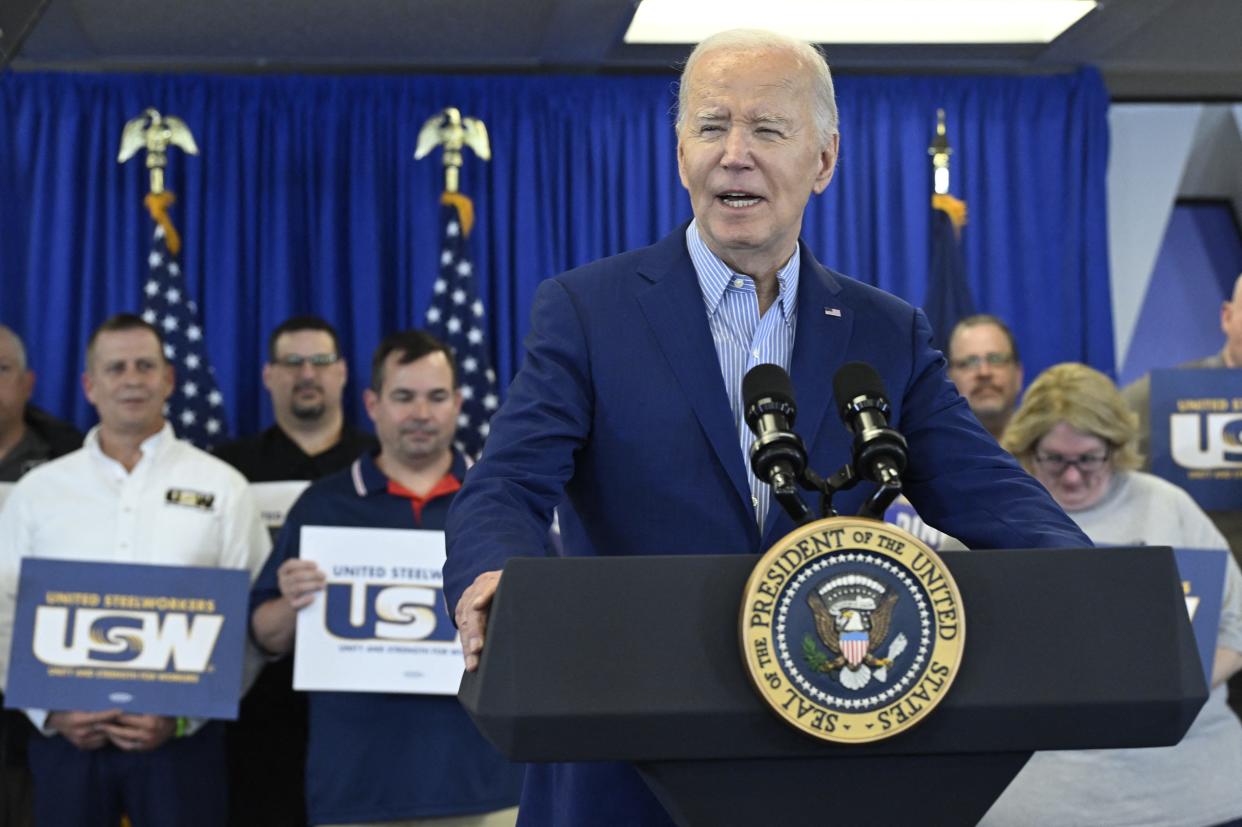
point(861, 21)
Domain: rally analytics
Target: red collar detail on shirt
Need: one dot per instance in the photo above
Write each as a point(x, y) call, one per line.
point(448, 484)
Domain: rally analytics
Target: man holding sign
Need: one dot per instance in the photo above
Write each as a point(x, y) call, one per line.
point(1138, 393)
point(385, 756)
point(133, 493)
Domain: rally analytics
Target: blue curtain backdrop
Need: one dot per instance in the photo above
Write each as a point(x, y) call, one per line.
point(306, 198)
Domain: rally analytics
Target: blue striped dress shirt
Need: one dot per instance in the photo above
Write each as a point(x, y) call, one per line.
point(743, 338)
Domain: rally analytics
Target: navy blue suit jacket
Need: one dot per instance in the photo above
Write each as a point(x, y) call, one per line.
point(621, 406)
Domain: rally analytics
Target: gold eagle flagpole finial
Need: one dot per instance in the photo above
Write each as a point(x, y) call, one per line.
point(449, 129)
point(156, 133)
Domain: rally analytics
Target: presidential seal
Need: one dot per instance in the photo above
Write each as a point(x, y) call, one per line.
point(852, 629)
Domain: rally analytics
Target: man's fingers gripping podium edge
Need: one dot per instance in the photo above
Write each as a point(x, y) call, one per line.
point(471, 615)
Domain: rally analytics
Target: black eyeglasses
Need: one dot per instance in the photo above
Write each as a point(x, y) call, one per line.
point(994, 360)
point(294, 361)
point(1056, 464)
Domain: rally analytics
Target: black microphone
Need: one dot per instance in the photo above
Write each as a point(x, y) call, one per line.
point(777, 455)
point(879, 451)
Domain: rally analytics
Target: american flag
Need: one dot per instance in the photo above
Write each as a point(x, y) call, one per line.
point(456, 317)
point(948, 293)
point(196, 408)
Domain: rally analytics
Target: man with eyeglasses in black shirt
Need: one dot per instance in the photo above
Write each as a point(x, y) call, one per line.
point(985, 366)
point(305, 376)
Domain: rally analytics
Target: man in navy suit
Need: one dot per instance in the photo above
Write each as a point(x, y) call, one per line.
point(629, 400)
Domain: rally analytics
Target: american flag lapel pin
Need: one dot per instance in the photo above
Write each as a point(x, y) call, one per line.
point(832, 311)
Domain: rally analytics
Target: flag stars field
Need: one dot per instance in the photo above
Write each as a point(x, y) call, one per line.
point(463, 331)
point(196, 407)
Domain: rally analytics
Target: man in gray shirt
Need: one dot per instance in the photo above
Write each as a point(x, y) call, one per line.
point(28, 436)
point(1138, 397)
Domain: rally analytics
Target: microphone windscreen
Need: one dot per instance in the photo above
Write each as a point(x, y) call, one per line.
point(766, 382)
point(856, 379)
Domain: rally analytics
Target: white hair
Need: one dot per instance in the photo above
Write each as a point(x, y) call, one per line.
point(824, 102)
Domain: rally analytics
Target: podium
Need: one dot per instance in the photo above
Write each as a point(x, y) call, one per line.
point(637, 659)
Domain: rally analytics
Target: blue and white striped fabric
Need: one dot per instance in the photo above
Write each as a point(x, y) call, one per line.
point(743, 338)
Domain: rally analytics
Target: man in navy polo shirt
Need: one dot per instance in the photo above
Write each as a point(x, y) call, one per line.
point(376, 757)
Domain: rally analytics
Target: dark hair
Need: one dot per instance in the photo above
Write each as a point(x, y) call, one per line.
point(118, 323)
point(412, 345)
point(982, 319)
point(293, 324)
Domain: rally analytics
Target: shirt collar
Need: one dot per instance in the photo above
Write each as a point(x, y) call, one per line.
point(369, 479)
point(715, 276)
point(149, 447)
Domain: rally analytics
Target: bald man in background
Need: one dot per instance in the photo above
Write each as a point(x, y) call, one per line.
point(1138, 396)
point(1138, 393)
point(28, 437)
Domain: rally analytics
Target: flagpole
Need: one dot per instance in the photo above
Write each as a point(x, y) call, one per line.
point(940, 152)
point(156, 132)
point(447, 128)
point(948, 297)
point(456, 314)
point(196, 407)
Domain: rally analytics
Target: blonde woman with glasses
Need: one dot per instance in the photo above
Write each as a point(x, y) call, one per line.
point(1076, 435)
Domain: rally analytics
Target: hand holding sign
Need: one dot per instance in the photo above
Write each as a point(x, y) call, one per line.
point(95, 639)
point(85, 730)
point(299, 580)
point(380, 623)
point(274, 622)
point(138, 733)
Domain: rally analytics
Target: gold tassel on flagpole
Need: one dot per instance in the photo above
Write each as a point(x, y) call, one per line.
point(465, 210)
point(155, 133)
point(158, 204)
point(954, 207)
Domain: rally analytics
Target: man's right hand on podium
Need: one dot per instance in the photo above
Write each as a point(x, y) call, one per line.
point(471, 615)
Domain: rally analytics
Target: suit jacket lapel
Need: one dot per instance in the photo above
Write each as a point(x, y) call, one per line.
point(824, 327)
point(673, 305)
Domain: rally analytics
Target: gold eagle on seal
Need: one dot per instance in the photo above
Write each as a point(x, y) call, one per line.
point(830, 626)
point(853, 614)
